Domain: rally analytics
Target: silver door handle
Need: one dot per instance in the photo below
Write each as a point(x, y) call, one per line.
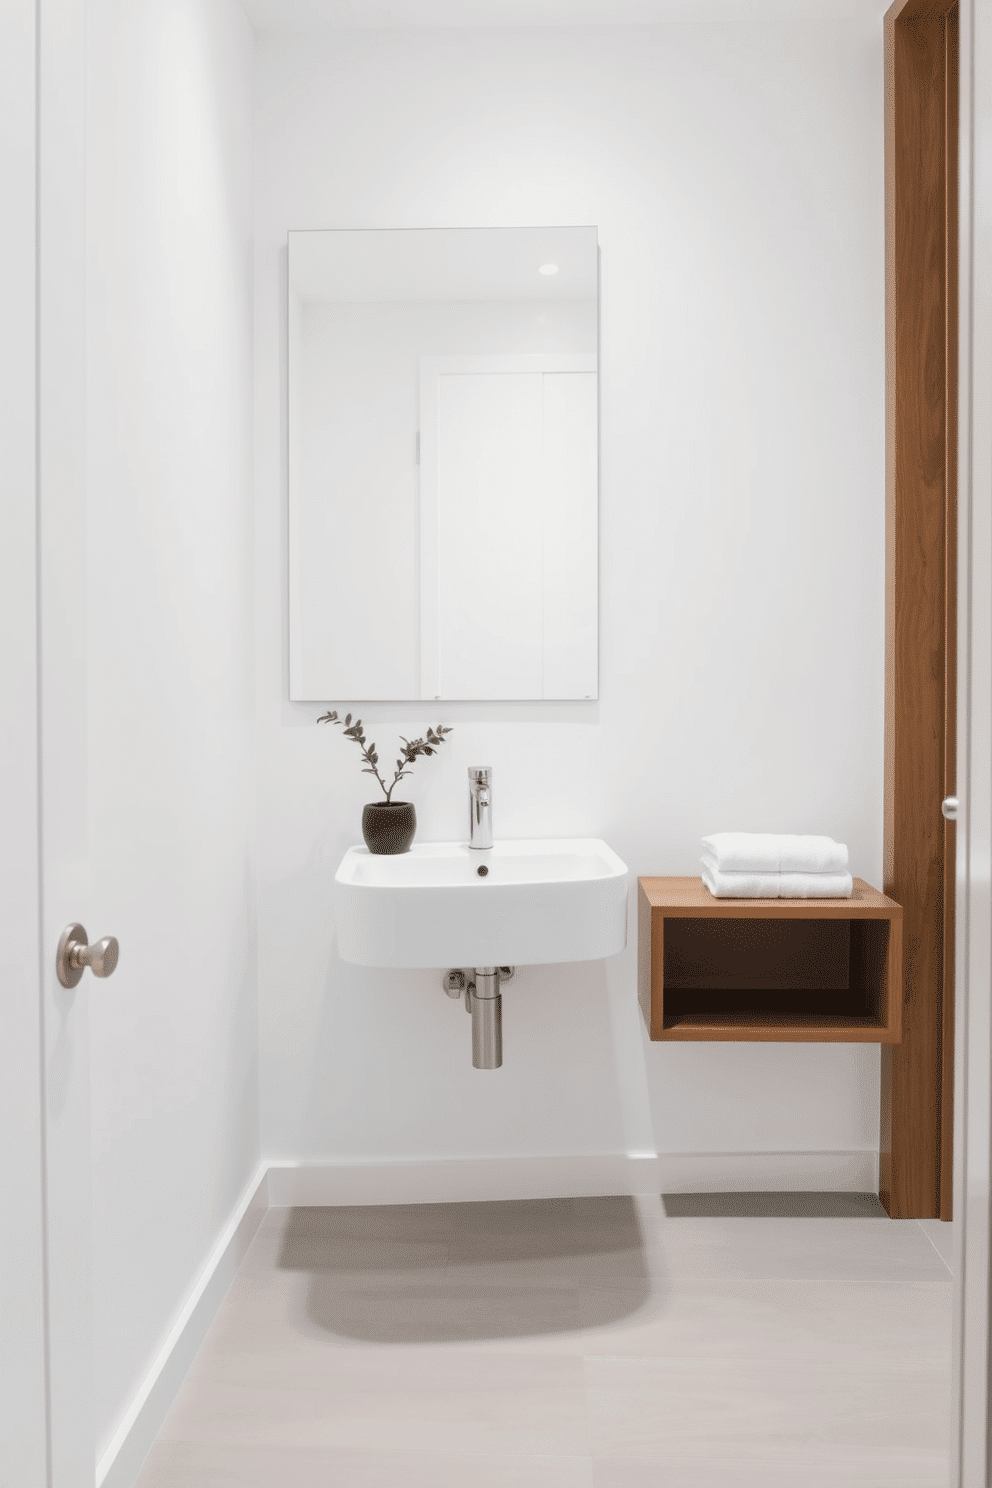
point(73, 955)
point(949, 808)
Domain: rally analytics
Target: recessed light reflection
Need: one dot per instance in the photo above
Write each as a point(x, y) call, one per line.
point(548, 269)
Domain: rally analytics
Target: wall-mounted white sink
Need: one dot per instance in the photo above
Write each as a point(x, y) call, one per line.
point(538, 901)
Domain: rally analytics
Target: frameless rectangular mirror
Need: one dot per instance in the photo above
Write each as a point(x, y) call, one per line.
point(443, 464)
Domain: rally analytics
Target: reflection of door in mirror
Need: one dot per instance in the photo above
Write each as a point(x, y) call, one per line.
point(443, 455)
point(508, 517)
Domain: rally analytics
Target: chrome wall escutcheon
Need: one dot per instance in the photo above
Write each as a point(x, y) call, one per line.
point(454, 982)
point(949, 808)
point(74, 955)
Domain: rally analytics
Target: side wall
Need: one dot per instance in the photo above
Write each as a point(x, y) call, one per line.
point(174, 1032)
point(735, 176)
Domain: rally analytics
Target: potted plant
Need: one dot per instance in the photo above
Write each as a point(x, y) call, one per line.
point(388, 826)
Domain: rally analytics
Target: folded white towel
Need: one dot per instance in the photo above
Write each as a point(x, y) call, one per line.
point(775, 852)
point(731, 885)
point(815, 886)
point(739, 885)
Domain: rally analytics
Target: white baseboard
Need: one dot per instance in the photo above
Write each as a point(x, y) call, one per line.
point(460, 1180)
point(467, 1180)
point(852, 1171)
point(127, 1449)
point(446, 1180)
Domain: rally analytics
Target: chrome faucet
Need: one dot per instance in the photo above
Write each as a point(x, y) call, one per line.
point(480, 806)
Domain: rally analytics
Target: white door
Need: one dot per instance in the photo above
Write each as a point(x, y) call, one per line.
point(508, 522)
point(126, 772)
point(46, 1424)
point(488, 543)
point(23, 1430)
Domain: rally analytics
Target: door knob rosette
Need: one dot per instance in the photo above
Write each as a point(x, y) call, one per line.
point(74, 955)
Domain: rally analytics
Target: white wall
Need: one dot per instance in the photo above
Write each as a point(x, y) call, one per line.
point(174, 1032)
point(735, 176)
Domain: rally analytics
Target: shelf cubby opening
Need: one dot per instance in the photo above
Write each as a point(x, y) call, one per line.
point(827, 970)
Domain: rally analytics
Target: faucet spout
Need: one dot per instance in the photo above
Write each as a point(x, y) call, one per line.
point(480, 807)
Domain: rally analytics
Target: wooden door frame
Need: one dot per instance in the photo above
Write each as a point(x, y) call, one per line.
point(921, 147)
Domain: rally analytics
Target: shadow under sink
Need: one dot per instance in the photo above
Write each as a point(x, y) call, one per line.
point(435, 1273)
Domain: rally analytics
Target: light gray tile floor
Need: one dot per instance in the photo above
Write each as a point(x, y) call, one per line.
point(583, 1343)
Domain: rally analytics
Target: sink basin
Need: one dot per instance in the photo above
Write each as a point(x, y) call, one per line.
point(560, 899)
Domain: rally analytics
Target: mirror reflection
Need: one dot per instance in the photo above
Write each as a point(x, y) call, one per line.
point(443, 464)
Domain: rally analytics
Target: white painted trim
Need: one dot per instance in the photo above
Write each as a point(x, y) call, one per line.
point(472, 1180)
point(23, 1381)
point(460, 1180)
point(121, 1459)
point(63, 701)
point(331, 17)
point(433, 368)
point(854, 1171)
point(972, 1366)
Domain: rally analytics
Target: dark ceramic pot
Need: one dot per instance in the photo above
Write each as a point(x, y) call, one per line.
point(389, 826)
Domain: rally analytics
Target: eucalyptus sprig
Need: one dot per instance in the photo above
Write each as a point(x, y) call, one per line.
point(411, 751)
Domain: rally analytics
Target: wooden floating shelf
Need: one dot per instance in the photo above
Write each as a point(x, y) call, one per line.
point(768, 970)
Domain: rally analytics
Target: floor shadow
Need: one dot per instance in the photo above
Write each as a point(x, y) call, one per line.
point(773, 1206)
point(456, 1273)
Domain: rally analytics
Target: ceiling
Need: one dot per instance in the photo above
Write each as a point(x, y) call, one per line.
point(332, 15)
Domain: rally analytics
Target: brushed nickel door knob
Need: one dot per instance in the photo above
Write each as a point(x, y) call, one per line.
point(74, 955)
point(949, 808)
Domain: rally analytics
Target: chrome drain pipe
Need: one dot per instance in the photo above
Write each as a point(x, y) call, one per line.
point(487, 1018)
point(484, 1002)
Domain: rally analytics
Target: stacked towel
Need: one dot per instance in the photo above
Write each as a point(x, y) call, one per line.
point(767, 865)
